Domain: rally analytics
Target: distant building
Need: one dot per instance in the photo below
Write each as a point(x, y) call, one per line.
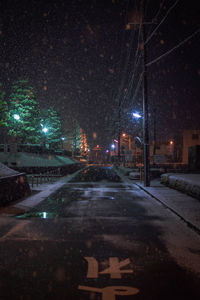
point(190, 138)
point(164, 151)
point(169, 150)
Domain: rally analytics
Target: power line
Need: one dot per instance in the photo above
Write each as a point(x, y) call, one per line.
point(159, 10)
point(167, 13)
point(137, 60)
point(135, 65)
point(138, 86)
point(174, 48)
point(122, 44)
point(130, 85)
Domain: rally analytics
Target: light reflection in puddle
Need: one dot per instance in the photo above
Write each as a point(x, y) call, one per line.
point(41, 215)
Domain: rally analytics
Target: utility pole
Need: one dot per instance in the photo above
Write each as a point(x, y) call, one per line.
point(154, 132)
point(119, 132)
point(145, 100)
point(145, 110)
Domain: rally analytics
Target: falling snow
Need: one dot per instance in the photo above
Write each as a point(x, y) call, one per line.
point(83, 58)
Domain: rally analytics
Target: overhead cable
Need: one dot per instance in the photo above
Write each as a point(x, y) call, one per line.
point(167, 13)
point(174, 48)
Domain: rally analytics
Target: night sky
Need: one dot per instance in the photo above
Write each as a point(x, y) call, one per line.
point(82, 58)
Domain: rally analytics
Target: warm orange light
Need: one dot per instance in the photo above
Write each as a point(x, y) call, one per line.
point(124, 134)
point(97, 146)
point(171, 142)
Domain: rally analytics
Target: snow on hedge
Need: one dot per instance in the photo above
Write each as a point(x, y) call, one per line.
point(187, 183)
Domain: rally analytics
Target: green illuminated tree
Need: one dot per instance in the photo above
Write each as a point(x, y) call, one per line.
point(73, 134)
point(23, 104)
point(51, 121)
point(3, 108)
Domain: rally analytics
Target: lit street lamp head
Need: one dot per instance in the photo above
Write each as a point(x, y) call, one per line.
point(16, 116)
point(45, 129)
point(136, 115)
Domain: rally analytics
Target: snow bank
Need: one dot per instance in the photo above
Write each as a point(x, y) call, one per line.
point(22, 159)
point(5, 171)
point(187, 183)
point(13, 185)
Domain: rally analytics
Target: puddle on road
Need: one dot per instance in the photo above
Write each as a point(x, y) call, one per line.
point(39, 215)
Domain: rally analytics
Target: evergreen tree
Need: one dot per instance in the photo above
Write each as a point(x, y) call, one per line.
point(51, 121)
point(76, 137)
point(73, 133)
point(22, 104)
point(3, 108)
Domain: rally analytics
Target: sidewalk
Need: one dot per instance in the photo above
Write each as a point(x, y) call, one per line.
point(184, 206)
point(42, 191)
point(174, 196)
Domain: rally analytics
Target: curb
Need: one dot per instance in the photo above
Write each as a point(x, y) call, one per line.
point(189, 224)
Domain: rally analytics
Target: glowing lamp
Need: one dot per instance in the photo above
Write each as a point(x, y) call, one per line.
point(16, 116)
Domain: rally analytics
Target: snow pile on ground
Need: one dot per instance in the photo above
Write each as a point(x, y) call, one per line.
point(134, 175)
point(125, 171)
point(5, 171)
point(187, 183)
point(65, 160)
point(21, 159)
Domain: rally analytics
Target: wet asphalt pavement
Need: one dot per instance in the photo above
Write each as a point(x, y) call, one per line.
point(92, 240)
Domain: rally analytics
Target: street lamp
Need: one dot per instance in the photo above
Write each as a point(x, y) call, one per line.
point(16, 117)
point(142, 23)
point(113, 149)
point(136, 115)
point(45, 130)
point(62, 139)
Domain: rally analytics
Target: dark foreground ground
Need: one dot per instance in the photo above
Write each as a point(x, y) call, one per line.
point(103, 240)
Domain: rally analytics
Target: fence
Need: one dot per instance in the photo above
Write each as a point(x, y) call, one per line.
point(36, 179)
